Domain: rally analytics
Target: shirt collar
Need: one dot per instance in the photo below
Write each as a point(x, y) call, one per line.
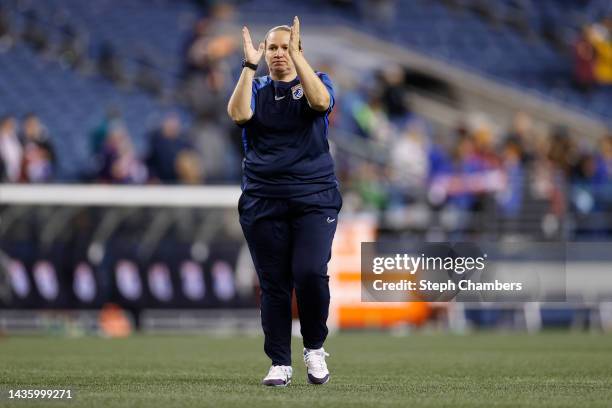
point(283, 84)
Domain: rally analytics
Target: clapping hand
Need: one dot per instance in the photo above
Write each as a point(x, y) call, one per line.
point(251, 54)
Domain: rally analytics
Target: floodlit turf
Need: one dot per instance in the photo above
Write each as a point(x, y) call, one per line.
point(483, 370)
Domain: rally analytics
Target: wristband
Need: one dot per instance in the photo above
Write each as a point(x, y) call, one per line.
point(247, 64)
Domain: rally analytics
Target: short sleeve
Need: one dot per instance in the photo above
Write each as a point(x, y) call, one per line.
point(330, 88)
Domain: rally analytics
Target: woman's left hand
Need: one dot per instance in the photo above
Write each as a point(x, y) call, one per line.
point(294, 37)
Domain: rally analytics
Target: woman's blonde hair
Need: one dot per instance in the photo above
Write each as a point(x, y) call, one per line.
point(283, 27)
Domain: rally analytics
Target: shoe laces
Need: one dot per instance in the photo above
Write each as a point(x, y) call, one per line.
point(315, 359)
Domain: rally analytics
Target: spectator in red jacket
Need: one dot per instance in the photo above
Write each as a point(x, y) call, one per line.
point(584, 61)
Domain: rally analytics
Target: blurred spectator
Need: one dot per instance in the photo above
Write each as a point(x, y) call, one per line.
point(563, 151)
point(544, 170)
point(438, 158)
point(220, 160)
point(33, 34)
point(521, 136)
point(109, 64)
point(465, 163)
point(206, 94)
point(193, 65)
point(481, 133)
point(370, 118)
point(589, 170)
point(38, 154)
point(510, 199)
point(71, 50)
point(601, 41)
point(6, 38)
point(394, 95)
point(205, 70)
point(588, 182)
point(188, 167)
point(370, 186)
point(409, 164)
point(603, 28)
point(584, 60)
point(119, 163)
point(205, 89)
point(165, 146)
point(97, 137)
point(11, 151)
point(349, 100)
point(213, 39)
point(475, 174)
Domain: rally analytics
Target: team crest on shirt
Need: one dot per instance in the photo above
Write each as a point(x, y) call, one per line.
point(297, 92)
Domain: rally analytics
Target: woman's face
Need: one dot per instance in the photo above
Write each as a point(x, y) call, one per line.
point(277, 53)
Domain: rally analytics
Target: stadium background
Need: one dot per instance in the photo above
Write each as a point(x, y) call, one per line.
point(456, 120)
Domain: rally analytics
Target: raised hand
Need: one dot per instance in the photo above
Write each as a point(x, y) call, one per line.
point(251, 54)
point(294, 37)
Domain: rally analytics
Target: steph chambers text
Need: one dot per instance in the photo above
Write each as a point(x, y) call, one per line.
point(426, 285)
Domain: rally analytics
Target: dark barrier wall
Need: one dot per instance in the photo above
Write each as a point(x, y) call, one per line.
point(81, 265)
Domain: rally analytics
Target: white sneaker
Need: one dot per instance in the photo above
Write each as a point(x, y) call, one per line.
point(316, 368)
point(278, 376)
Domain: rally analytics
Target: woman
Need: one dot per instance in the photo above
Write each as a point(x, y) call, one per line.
point(290, 199)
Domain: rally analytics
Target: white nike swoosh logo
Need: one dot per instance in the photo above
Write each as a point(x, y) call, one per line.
point(276, 98)
point(330, 220)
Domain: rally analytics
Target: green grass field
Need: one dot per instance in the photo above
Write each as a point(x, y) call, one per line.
point(483, 370)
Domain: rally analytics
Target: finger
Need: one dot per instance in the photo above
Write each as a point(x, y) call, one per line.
point(296, 24)
point(260, 50)
point(246, 35)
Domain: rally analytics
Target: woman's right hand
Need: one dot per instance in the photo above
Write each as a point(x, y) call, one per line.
point(251, 54)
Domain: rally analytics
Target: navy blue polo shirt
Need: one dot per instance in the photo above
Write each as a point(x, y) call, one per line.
point(285, 141)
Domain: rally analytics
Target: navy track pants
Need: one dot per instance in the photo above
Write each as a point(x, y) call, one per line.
point(290, 242)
